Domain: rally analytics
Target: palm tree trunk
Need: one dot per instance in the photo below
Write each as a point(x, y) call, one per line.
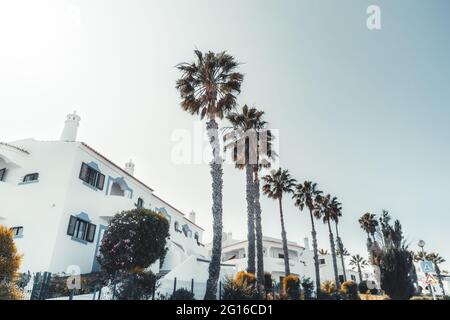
point(360, 273)
point(217, 184)
point(341, 250)
point(333, 255)
point(316, 254)
point(287, 270)
point(259, 234)
point(438, 273)
point(250, 220)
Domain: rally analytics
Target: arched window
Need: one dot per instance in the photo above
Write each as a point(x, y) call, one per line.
point(116, 190)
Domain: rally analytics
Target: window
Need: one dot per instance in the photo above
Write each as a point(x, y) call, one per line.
point(92, 176)
point(353, 277)
point(341, 278)
point(81, 229)
point(2, 174)
point(31, 177)
point(140, 203)
point(321, 261)
point(177, 226)
point(17, 231)
point(281, 256)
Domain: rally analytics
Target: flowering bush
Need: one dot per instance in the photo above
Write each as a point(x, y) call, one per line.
point(134, 239)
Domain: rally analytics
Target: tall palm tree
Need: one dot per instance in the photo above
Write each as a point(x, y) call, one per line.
point(437, 260)
point(323, 252)
point(358, 262)
point(208, 87)
point(242, 141)
point(369, 223)
point(275, 185)
point(338, 210)
point(327, 211)
point(305, 195)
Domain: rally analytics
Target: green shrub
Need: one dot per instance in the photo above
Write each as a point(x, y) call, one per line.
point(308, 288)
point(10, 291)
point(137, 285)
point(243, 287)
point(291, 287)
point(349, 290)
point(268, 282)
point(182, 294)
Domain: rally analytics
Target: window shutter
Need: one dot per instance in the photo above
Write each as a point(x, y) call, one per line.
point(71, 228)
point(84, 172)
point(91, 232)
point(100, 181)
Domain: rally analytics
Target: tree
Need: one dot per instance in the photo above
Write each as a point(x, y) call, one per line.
point(369, 224)
point(10, 261)
point(308, 288)
point(242, 145)
point(328, 212)
point(396, 263)
point(305, 195)
point(358, 262)
point(275, 185)
point(134, 239)
point(249, 142)
point(323, 252)
point(208, 87)
point(341, 250)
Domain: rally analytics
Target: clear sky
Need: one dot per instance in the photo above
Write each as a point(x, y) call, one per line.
point(363, 113)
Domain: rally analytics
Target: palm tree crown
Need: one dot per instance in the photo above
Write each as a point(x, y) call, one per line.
point(209, 86)
point(277, 183)
point(305, 194)
point(357, 260)
point(368, 223)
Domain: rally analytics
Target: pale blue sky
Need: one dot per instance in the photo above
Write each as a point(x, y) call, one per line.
point(363, 113)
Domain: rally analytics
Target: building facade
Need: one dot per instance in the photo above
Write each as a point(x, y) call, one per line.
point(59, 196)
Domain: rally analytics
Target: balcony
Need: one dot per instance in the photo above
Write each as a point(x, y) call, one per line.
point(114, 204)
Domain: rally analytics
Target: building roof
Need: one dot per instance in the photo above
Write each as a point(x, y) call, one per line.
point(265, 239)
point(138, 181)
point(14, 147)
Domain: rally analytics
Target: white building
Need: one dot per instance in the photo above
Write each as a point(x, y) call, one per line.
point(301, 260)
point(58, 197)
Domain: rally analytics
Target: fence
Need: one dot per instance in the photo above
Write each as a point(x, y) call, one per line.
point(45, 286)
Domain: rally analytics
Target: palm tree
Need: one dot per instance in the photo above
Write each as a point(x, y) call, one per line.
point(275, 185)
point(242, 142)
point(323, 252)
point(338, 210)
point(208, 87)
point(358, 262)
point(305, 196)
point(369, 224)
point(327, 211)
point(437, 260)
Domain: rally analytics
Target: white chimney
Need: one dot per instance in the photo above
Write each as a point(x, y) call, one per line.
point(71, 127)
point(192, 216)
point(306, 241)
point(129, 168)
